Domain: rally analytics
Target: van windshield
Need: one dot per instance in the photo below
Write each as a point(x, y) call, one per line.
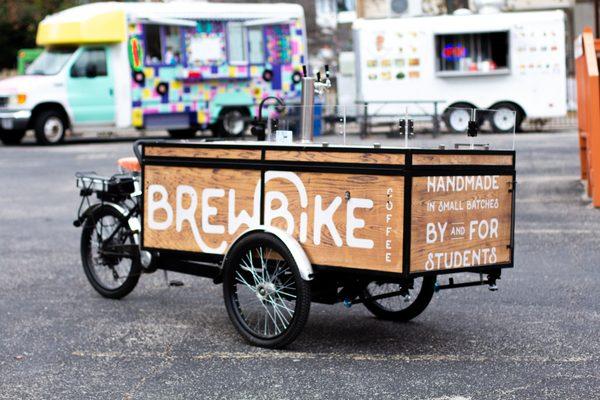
point(51, 61)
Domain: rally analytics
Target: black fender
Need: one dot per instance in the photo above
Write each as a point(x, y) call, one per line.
point(85, 215)
point(134, 223)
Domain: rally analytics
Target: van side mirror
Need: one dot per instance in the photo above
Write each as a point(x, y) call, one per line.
point(91, 71)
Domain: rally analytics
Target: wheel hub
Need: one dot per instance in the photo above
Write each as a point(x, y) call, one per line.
point(53, 129)
point(265, 290)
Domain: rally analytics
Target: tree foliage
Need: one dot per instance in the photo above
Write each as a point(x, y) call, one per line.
point(18, 24)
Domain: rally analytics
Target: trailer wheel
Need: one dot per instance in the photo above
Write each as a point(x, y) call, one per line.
point(399, 308)
point(232, 122)
point(182, 133)
point(457, 117)
point(267, 300)
point(507, 117)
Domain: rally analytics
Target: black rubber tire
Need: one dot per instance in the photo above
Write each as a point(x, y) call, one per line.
point(86, 235)
point(417, 307)
point(11, 138)
point(39, 123)
point(182, 133)
point(302, 307)
point(519, 117)
point(220, 127)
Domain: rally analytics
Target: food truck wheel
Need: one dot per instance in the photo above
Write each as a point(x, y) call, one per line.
point(108, 266)
point(49, 127)
point(12, 137)
point(400, 308)
point(182, 133)
point(507, 118)
point(232, 122)
point(266, 298)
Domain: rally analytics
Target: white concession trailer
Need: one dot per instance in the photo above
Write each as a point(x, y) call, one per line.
point(504, 61)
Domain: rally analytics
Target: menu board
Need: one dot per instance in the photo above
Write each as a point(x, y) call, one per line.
point(460, 221)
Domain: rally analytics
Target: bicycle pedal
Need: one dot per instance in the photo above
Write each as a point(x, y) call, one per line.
point(175, 283)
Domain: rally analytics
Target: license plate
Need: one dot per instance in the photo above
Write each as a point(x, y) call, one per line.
point(7, 124)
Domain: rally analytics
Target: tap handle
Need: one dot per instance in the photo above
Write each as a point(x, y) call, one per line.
point(304, 71)
point(327, 71)
point(318, 76)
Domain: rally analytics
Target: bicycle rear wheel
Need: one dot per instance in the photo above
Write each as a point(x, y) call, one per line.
point(108, 253)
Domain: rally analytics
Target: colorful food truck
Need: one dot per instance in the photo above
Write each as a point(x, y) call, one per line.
point(510, 62)
point(179, 66)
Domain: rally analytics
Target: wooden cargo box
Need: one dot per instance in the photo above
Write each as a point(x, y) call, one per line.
point(382, 210)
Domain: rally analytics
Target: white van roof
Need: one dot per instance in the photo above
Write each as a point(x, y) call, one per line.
point(106, 22)
point(181, 9)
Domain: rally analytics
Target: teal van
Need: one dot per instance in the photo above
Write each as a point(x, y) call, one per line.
point(177, 66)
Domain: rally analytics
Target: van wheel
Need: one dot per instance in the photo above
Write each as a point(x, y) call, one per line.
point(507, 118)
point(182, 133)
point(11, 137)
point(232, 122)
point(49, 127)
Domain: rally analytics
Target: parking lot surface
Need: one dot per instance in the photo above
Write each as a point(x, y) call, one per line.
point(535, 338)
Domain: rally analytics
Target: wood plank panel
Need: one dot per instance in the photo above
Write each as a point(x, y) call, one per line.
point(203, 152)
point(219, 194)
point(461, 159)
point(460, 221)
point(335, 157)
point(340, 220)
point(374, 243)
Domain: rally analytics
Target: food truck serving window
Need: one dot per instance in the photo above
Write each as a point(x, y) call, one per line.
point(162, 44)
point(236, 45)
point(466, 54)
point(153, 44)
point(256, 45)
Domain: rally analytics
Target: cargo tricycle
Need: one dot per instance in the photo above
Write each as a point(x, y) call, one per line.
point(282, 224)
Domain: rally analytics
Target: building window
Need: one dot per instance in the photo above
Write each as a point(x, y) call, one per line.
point(236, 45)
point(256, 45)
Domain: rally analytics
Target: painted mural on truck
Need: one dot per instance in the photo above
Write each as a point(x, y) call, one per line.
point(192, 72)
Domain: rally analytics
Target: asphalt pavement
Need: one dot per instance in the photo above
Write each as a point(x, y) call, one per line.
point(538, 337)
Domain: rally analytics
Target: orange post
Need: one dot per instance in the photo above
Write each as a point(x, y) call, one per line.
point(588, 104)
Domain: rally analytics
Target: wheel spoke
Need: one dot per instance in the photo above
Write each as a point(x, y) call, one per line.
point(268, 303)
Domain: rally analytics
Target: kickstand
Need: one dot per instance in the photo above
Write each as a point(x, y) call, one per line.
point(174, 282)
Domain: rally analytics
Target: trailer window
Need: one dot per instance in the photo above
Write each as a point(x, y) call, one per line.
point(484, 53)
point(256, 45)
point(91, 63)
point(153, 44)
point(236, 45)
